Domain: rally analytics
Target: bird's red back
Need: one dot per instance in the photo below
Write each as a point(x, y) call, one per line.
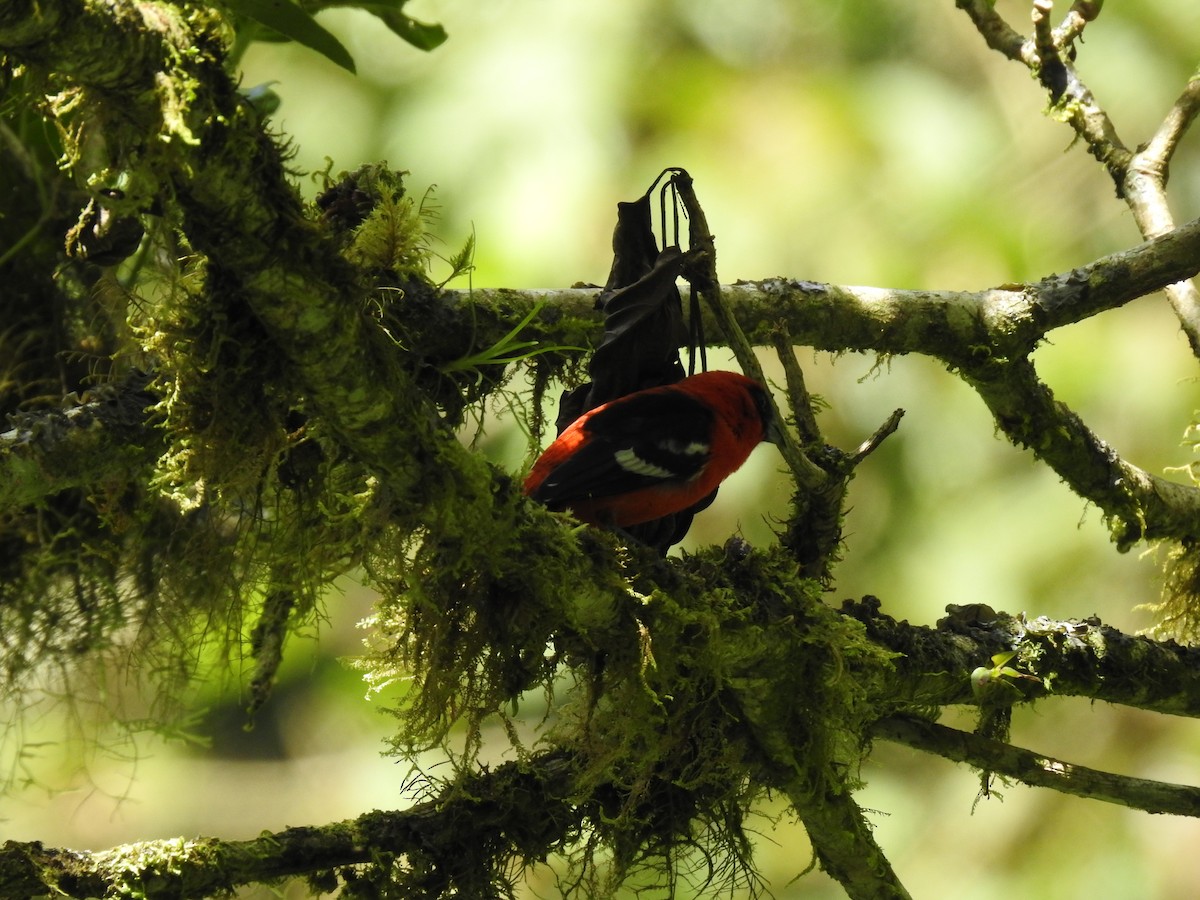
point(653, 452)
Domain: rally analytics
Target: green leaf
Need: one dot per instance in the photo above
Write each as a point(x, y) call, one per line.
point(1000, 659)
point(421, 35)
point(294, 23)
point(506, 350)
point(461, 262)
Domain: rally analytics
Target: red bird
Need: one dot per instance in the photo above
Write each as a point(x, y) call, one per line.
point(653, 452)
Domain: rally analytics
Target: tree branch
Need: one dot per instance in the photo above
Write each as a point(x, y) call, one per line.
point(1161, 147)
point(958, 327)
point(973, 331)
point(1139, 505)
point(1140, 177)
point(519, 810)
point(1066, 658)
point(1145, 187)
point(105, 438)
point(845, 847)
point(1037, 770)
point(452, 845)
point(998, 34)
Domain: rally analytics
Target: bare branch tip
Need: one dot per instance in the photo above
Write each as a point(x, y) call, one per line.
point(867, 447)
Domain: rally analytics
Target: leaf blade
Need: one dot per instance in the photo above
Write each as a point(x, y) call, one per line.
point(295, 23)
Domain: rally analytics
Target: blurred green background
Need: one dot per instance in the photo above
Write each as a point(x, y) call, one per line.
point(867, 142)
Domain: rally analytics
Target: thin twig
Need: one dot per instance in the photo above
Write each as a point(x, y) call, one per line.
point(1051, 71)
point(1071, 28)
point(808, 475)
point(1161, 147)
point(998, 34)
point(867, 447)
point(798, 397)
point(1145, 191)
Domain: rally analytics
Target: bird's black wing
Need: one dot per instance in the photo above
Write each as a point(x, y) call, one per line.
point(636, 442)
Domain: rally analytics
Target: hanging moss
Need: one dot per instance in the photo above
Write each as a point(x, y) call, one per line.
point(697, 687)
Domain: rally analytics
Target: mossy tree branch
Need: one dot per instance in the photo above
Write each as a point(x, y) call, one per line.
point(1067, 659)
point(538, 804)
point(974, 332)
point(986, 337)
point(958, 327)
point(106, 437)
point(511, 813)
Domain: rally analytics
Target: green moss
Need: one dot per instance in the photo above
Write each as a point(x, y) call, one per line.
point(1178, 610)
point(155, 868)
point(697, 687)
point(391, 241)
point(736, 680)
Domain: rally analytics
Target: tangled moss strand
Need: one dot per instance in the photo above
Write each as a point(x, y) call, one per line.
point(1178, 610)
point(698, 687)
point(738, 679)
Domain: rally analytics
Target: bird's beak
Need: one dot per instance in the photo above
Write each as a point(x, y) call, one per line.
point(774, 433)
